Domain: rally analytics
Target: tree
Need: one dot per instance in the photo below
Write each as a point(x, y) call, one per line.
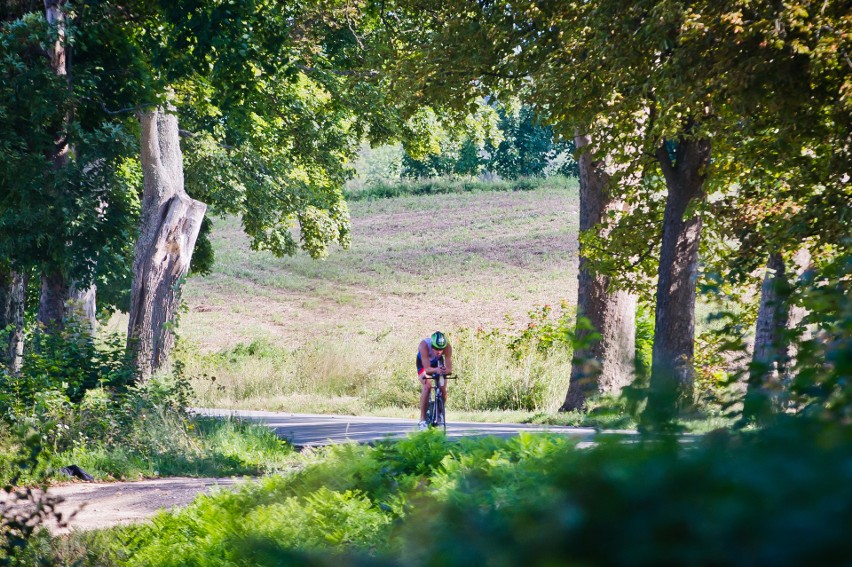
point(790, 164)
point(11, 319)
point(58, 207)
point(772, 359)
point(170, 224)
point(605, 333)
point(528, 146)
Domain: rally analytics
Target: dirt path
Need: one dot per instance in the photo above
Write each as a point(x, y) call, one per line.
point(105, 504)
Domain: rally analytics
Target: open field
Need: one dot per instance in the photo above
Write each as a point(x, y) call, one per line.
point(340, 335)
point(415, 264)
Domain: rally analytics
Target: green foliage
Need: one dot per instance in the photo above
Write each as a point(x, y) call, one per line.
point(529, 147)
point(525, 148)
point(76, 393)
point(660, 504)
point(533, 499)
point(62, 217)
point(644, 340)
point(543, 332)
point(22, 510)
point(66, 364)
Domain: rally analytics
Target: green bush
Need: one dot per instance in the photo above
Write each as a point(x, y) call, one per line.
point(70, 363)
point(76, 392)
point(780, 497)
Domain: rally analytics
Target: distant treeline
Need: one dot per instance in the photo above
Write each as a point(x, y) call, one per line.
point(442, 186)
point(525, 148)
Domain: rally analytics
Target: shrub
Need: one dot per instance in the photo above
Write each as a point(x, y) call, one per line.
point(70, 363)
point(727, 500)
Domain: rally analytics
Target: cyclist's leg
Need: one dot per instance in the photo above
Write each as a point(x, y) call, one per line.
point(425, 389)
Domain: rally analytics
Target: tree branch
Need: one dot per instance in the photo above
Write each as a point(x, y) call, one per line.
point(123, 110)
point(339, 72)
point(187, 134)
point(662, 155)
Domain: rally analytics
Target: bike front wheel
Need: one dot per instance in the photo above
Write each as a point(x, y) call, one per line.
point(440, 414)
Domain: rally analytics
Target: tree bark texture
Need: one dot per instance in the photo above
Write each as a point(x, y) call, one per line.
point(605, 365)
point(54, 295)
point(54, 287)
point(11, 320)
point(772, 358)
point(169, 228)
point(672, 372)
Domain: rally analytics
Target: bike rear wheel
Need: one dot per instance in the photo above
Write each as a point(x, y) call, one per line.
point(441, 414)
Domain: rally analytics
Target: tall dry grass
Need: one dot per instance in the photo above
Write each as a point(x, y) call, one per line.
point(359, 375)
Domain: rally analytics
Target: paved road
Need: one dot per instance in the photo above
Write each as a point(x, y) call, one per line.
point(311, 430)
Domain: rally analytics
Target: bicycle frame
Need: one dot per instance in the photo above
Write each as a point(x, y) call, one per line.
point(436, 411)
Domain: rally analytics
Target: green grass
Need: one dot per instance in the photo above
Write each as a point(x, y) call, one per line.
point(378, 377)
point(173, 446)
point(160, 445)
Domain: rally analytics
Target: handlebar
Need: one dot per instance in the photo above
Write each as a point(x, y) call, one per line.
point(437, 375)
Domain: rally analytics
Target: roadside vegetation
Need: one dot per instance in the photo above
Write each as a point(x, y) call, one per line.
point(384, 189)
point(73, 404)
point(728, 498)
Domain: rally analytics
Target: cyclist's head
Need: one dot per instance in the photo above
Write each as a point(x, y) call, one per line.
point(439, 341)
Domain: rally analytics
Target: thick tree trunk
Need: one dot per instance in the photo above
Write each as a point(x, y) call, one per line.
point(52, 301)
point(605, 365)
point(11, 320)
point(54, 287)
point(773, 354)
point(672, 373)
point(169, 227)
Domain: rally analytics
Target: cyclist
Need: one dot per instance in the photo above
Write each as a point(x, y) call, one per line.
point(437, 351)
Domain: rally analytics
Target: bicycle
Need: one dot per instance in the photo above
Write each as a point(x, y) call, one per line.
point(436, 411)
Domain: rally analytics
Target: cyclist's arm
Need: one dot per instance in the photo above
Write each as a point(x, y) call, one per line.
point(424, 358)
point(448, 359)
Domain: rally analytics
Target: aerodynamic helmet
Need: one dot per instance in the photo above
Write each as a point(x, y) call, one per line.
point(439, 341)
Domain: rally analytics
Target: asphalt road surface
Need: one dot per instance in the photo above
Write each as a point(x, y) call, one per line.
point(311, 430)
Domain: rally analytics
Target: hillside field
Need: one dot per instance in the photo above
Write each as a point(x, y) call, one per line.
point(416, 264)
point(340, 334)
